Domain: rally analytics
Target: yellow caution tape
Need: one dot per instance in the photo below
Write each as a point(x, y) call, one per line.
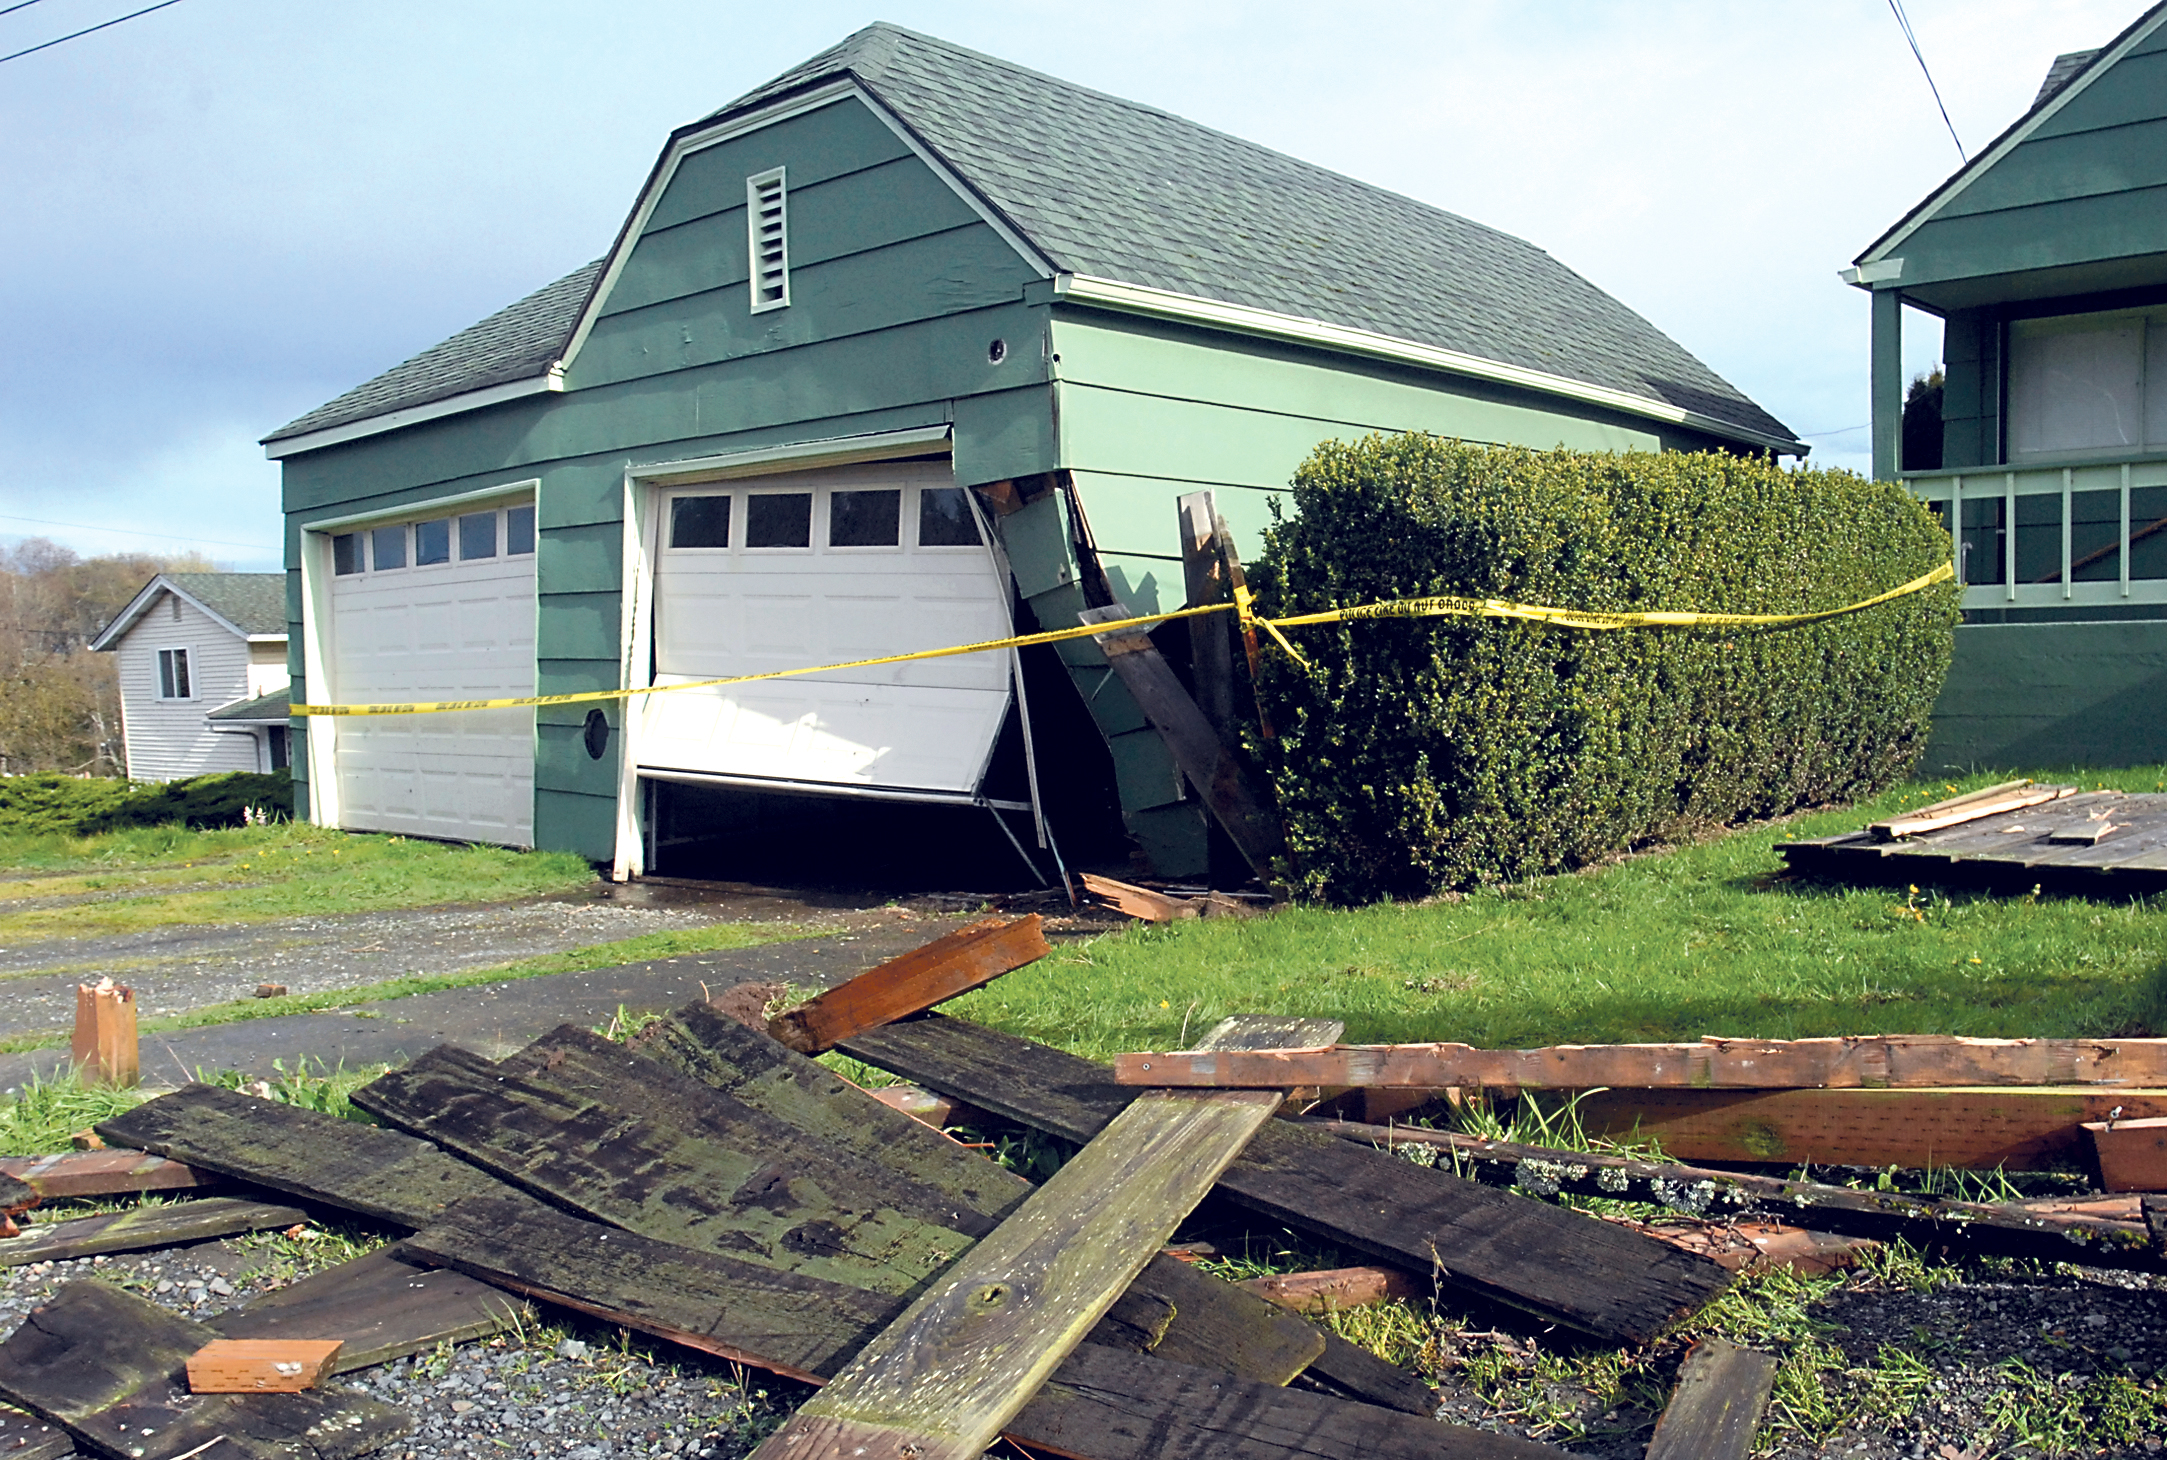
point(1396, 608)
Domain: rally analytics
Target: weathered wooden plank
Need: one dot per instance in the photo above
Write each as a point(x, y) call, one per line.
point(17, 1195)
point(1956, 811)
point(2132, 1154)
point(27, 1437)
point(1878, 1061)
point(99, 1173)
point(966, 959)
point(2021, 1129)
point(379, 1307)
point(1101, 1405)
point(1337, 1288)
point(1604, 1281)
point(140, 1228)
point(341, 1163)
point(110, 1368)
point(261, 1365)
point(1140, 902)
point(968, 1354)
point(1204, 757)
point(1716, 1408)
point(2011, 1230)
point(604, 1130)
point(1215, 1323)
point(1204, 577)
point(1349, 1371)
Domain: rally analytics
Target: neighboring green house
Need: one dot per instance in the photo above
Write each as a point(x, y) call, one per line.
point(749, 439)
point(2046, 257)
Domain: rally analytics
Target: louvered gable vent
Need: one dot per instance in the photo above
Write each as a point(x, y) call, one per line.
point(768, 221)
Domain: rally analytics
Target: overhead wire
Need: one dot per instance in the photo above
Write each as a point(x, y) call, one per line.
point(78, 35)
point(19, 5)
point(1903, 21)
point(134, 532)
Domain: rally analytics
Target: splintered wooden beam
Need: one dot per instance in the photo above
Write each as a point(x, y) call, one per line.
point(1139, 902)
point(109, 1367)
point(1870, 1061)
point(1562, 1265)
point(966, 959)
point(261, 1365)
point(1197, 747)
point(2132, 1154)
point(1336, 1288)
point(342, 1163)
point(140, 1228)
point(1716, 1409)
point(1997, 1230)
point(942, 1381)
point(379, 1308)
point(1211, 638)
point(1993, 801)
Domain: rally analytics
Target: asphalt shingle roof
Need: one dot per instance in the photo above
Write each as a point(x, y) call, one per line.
point(273, 706)
point(2060, 74)
point(253, 602)
point(1119, 190)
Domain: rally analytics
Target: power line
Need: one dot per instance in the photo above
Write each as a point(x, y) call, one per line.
point(77, 35)
point(23, 5)
point(1903, 21)
point(133, 532)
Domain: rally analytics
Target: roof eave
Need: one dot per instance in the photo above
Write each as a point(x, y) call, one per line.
point(278, 448)
point(139, 605)
point(1113, 294)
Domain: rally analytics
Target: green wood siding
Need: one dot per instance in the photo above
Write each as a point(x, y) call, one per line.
point(2052, 694)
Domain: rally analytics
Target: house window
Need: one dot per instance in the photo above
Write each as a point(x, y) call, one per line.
point(173, 682)
point(2087, 384)
point(767, 224)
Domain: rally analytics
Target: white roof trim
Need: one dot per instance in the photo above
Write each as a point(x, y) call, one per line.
point(2010, 140)
point(472, 400)
point(1192, 309)
point(796, 456)
point(504, 492)
point(139, 605)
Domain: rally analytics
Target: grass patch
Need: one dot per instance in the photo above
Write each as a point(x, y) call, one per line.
point(159, 876)
point(1711, 938)
point(669, 944)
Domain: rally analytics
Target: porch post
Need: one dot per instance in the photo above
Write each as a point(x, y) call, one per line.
point(1888, 383)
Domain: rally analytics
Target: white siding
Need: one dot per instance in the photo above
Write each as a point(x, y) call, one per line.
point(267, 668)
point(168, 739)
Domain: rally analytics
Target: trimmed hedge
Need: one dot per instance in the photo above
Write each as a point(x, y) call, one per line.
point(51, 804)
point(1416, 755)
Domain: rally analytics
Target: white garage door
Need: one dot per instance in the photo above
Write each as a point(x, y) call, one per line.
point(439, 608)
point(821, 567)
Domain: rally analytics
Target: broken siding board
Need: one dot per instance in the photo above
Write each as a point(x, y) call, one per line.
point(1997, 1230)
point(1716, 1409)
point(1101, 1405)
point(110, 1368)
point(1610, 1283)
point(2021, 1129)
point(966, 959)
point(342, 1163)
point(967, 1355)
point(599, 1129)
point(1870, 1061)
point(379, 1307)
point(1216, 1323)
point(140, 1228)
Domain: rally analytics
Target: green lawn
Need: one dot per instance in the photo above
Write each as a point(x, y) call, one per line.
point(127, 881)
point(1705, 939)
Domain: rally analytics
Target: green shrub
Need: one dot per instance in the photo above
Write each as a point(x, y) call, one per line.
point(49, 803)
point(202, 802)
point(1416, 755)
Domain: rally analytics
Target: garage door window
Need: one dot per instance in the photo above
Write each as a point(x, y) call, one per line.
point(865, 519)
point(387, 548)
point(779, 520)
point(432, 542)
point(700, 522)
point(945, 518)
point(477, 536)
point(518, 532)
point(346, 553)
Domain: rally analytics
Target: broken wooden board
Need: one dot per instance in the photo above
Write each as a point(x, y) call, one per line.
point(1715, 1410)
point(600, 1129)
point(379, 1307)
point(110, 1368)
point(261, 1365)
point(2012, 850)
point(1211, 638)
point(966, 959)
point(141, 1228)
point(1612, 1284)
point(1102, 1405)
point(1139, 902)
point(304, 1153)
point(1957, 810)
point(1338, 1288)
point(1239, 805)
point(2011, 1230)
point(942, 1381)
point(1746, 1246)
point(1878, 1061)
point(2132, 1154)
point(24, 1436)
point(100, 1173)
point(2013, 1128)
point(1216, 1324)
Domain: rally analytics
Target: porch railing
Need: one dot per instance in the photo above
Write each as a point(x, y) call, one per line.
point(2088, 534)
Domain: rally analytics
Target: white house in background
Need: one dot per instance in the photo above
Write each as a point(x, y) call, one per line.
point(202, 659)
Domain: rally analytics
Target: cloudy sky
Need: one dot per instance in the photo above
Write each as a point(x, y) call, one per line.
point(222, 214)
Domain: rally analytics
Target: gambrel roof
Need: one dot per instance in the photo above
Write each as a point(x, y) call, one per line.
point(1110, 190)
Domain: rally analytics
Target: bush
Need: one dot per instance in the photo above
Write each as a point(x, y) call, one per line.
point(49, 803)
point(1416, 755)
point(203, 802)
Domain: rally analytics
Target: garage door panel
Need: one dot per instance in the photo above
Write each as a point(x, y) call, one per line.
point(844, 734)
